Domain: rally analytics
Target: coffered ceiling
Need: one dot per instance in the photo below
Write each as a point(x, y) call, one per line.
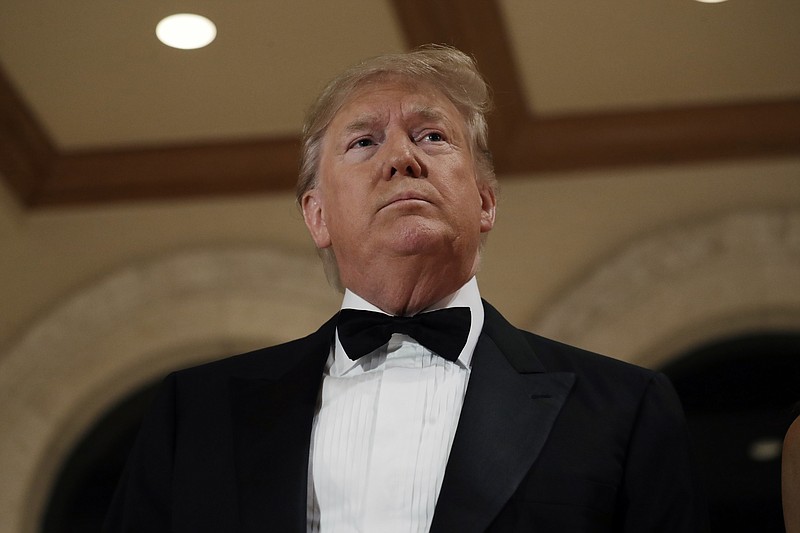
point(94, 109)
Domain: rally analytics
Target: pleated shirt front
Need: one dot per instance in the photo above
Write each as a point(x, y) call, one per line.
point(384, 427)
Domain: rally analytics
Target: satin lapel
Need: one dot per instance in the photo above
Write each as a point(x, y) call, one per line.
point(509, 410)
point(272, 420)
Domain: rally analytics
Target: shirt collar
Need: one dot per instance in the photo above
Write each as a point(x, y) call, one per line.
point(467, 296)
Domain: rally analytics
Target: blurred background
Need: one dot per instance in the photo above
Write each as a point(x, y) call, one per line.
point(649, 161)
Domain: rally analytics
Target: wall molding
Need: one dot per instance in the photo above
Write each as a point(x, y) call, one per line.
point(125, 331)
point(665, 292)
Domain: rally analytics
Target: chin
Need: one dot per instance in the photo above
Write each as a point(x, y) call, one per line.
point(420, 238)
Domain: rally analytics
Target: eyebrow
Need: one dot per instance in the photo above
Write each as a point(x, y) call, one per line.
point(430, 113)
point(361, 123)
point(369, 120)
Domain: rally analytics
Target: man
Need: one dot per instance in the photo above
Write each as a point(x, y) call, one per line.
point(790, 477)
point(451, 421)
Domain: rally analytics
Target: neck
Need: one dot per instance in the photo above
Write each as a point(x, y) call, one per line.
point(407, 287)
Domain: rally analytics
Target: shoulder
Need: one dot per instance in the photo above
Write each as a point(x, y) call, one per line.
point(790, 477)
point(558, 356)
point(792, 440)
point(269, 362)
point(603, 378)
point(554, 356)
point(597, 377)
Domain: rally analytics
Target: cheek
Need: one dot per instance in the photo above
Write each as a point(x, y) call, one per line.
point(347, 211)
point(466, 192)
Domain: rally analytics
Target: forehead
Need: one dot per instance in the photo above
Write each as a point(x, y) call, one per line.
point(379, 100)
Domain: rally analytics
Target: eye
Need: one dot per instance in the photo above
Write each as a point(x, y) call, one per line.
point(363, 142)
point(433, 136)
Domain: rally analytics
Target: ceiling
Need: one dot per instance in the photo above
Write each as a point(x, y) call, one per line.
point(94, 109)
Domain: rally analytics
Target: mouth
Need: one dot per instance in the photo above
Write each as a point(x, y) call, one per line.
point(407, 198)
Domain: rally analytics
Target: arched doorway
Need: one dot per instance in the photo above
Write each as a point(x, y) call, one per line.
point(124, 332)
point(738, 394)
point(88, 477)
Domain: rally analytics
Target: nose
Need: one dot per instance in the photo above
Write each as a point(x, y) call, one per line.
point(402, 159)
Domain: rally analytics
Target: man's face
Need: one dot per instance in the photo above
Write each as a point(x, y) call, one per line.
point(397, 178)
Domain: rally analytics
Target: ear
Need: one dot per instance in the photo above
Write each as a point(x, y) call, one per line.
point(488, 206)
point(314, 216)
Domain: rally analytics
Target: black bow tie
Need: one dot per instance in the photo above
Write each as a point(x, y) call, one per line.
point(444, 331)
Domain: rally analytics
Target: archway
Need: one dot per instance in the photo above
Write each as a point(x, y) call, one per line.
point(128, 330)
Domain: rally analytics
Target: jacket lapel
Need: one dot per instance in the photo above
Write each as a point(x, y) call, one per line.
point(509, 410)
point(272, 416)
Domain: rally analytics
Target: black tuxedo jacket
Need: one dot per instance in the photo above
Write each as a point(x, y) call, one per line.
point(550, 439)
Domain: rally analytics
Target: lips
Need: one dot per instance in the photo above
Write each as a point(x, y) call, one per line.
point(406, 196)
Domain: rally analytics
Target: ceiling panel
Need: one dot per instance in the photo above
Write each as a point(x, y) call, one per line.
point(629, 54)
point(95, 75)
point(93, 109)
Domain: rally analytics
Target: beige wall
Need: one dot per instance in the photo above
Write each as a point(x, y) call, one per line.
point(98, 300)
point(550, 232)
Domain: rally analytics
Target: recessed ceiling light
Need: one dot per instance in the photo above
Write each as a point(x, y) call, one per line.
point(186, 31)
point(711, 1)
